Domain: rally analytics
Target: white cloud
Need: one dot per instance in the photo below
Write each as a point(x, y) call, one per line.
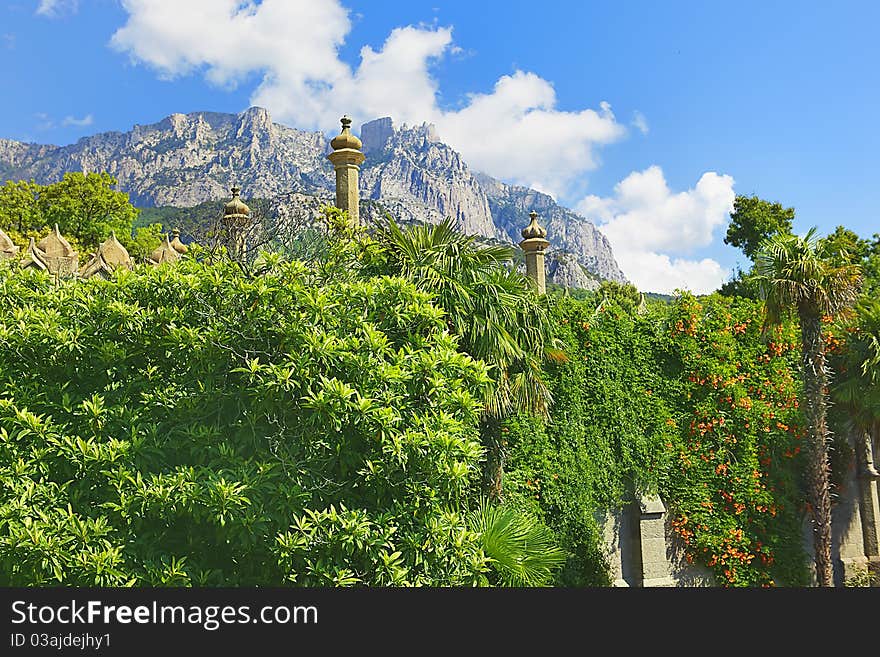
point(79, 123)
point(649, 227)
point(640, 122)
point(55, 8)
point(515, 131)
point(45, 121)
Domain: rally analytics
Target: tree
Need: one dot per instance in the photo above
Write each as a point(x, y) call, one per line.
point(802, 275)
point(520, 547)
point(627, 296)
point(846, 246)
point(20, 206)
point(871, 267)
point(144, 241)
point(754, 220)
point(494, 311)
point(86, 207)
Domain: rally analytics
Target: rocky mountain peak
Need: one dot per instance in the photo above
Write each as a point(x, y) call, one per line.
point(255, 123)
point(376, 133)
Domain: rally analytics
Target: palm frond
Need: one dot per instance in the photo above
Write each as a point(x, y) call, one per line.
point(797, 274)
point(521, 549)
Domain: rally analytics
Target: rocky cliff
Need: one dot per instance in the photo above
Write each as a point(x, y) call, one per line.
point(186, 159)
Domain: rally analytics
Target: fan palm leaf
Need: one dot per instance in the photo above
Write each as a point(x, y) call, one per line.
point(520, 548)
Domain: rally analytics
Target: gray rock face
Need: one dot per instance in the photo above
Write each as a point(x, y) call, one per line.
point(564, 269)
point(568, 232)
point(186, 159)
point(375, 135)
point(189, 158)
point(414, 171)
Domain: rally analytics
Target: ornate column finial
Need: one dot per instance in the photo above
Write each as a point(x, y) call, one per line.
point(533, 245)
point(347, 158)
point(236, 217)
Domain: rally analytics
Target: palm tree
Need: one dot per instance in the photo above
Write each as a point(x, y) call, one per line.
point(858, 385)
point(801, 275)
point(521, 549)
point(493, 310)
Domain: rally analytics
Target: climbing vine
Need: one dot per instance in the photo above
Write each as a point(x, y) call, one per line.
point(688, 399)
point(732, 486)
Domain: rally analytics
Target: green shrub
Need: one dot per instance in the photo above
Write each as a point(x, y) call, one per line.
point(188, 425)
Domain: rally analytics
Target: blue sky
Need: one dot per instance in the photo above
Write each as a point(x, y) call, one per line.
point(645, 116)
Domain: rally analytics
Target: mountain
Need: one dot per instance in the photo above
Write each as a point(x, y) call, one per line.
point(187, 159)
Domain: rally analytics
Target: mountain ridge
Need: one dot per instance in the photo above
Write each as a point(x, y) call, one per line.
point(185, 159)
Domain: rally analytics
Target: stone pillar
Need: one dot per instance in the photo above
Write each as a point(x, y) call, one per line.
point(347, 158)
point(533, 245)
point(652, 534)
point(236, 220)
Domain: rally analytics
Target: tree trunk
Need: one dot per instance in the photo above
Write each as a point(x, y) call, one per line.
point(815, 404)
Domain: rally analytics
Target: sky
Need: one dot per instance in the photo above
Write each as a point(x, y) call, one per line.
point(646, 117)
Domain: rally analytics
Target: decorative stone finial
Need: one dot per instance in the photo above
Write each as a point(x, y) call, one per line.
point(345, 139)
point(57, 254)
point(179, 246)
point(165, 252)
point(534, 229)
point(110, 255)
point(236, 208)
point(34, 258)
point(346, 158)
point(54, 245)
point(7, 247)
point(533, 245)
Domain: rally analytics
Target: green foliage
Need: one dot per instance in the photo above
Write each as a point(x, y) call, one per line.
point(626, 296)
point(490, 307)
point(863, 578)
point(846, 246)
point(20, 209)
point(198, 221)
point(686, 399)
point(521, 549)
point(733, 488)
point(605, 435)
point(871, 268)
point(85, 207)
point(187, 425)
point(857, 363)
point(816, 281)
point(741, 284)
point(754, 220)
point(144, 241)
point(805, 275)
point(494, 310)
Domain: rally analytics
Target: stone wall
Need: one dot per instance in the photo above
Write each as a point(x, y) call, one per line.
point(642, 549)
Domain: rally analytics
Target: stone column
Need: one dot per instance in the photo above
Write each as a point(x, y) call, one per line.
point(236, 220)
point(652, 535)
point(868, 502)
point(347, 158)
point(533, 245)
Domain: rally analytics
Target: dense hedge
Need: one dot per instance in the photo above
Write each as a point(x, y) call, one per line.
point(188, 425)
